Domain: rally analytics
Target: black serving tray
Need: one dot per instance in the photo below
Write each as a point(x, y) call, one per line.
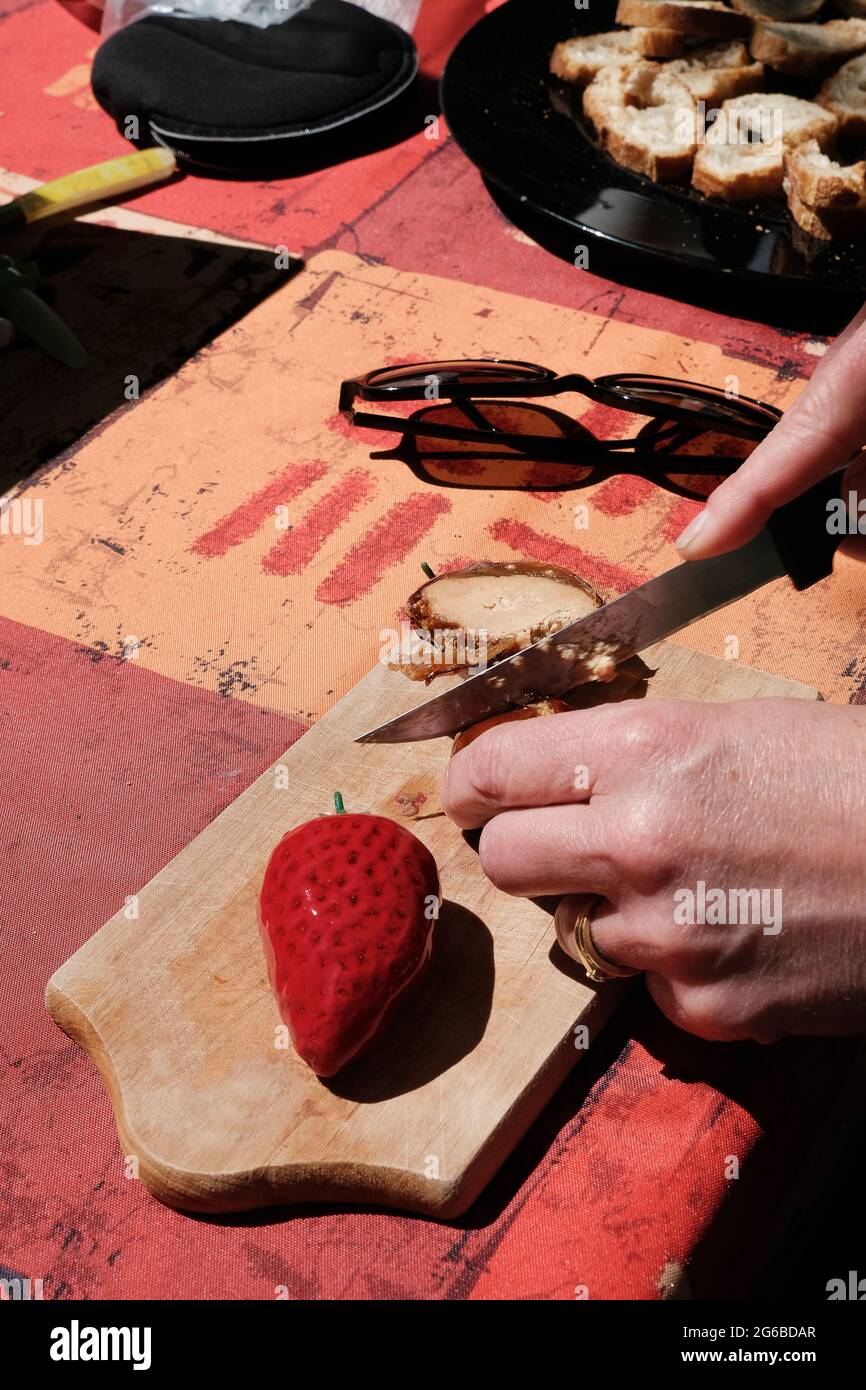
point(524, 130)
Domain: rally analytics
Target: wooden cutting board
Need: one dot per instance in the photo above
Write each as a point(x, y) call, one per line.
point(176, 1011)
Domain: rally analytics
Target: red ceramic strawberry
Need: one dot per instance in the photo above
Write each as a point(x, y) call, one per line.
point(348, 906)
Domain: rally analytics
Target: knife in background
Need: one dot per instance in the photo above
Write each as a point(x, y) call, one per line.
point(799, 541)
point(113, 178)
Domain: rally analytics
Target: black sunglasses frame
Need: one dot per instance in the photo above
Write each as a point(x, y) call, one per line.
point(757, 417)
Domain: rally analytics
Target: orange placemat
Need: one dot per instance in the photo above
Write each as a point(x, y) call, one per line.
point(217, 559)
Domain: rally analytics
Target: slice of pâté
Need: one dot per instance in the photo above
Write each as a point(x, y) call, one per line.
point(492, 610)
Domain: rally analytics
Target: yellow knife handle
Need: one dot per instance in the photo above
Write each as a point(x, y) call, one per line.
point(110, 179)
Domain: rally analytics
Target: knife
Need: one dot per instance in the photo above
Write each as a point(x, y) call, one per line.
point(800, 541)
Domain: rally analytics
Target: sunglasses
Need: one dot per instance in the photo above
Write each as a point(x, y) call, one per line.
point(681, 412)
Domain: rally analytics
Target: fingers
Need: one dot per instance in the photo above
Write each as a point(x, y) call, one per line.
point(855, 481)
point(628, 935)
point(717, 1012)
point(824, 427)
point(563, 759)
point(701, 1005)
point(550, 851)
point(536, 762)
point(839, 342)
point(684, 1008)
point(615, 932)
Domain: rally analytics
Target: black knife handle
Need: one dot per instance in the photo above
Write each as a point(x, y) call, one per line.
point(804, 532)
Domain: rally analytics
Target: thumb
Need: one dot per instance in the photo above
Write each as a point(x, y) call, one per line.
point(854, 492)
point(824, 428)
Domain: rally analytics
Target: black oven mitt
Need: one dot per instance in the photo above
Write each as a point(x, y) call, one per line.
point(230, 96)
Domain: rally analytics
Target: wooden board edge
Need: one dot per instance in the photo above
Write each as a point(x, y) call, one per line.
point(385, 1187)
point(345, 1183)
point(661, 651)
point(488, 1161)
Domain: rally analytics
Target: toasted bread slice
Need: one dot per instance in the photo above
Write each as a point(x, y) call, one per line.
point(742, 156)
point(773, 116)
point(784, 9)
point(808, 50)
point(646, 119)
point(656, 43)
point(714, 72)
point(738, 172)
point(606, 96)
point(819, 182)
point(653, 84)
point(657, 141)
point(581, 59)
point(704, 18)
point(845, 95)
point(828, 224)
point(640, 87)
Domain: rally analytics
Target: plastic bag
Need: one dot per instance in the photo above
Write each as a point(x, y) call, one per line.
point(261, 13)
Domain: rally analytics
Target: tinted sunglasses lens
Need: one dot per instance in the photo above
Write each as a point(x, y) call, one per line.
point(486, 462)
point(477, 372)
point(731, 452)
point(659, 394)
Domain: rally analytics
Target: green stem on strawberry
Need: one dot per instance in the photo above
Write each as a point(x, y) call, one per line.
point(338, 803)
point(431, 574)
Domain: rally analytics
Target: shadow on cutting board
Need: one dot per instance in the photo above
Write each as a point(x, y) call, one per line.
point(442, 1023)
point(140, 305)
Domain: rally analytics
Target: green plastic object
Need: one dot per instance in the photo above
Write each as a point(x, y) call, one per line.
point(22, 306)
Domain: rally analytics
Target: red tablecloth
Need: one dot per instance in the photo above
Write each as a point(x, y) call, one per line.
point(157, 543)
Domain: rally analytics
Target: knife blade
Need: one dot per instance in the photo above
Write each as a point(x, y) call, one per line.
point(645, 615)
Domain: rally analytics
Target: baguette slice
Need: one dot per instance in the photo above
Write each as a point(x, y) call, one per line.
point(845, 95)
point(640, 87)
point(743, 153)
point(829, 224)
point(715, 72)
point(786, 9)
point(738, 172)
point(657, 141)
point(808, 50)
point(581, 59)
point(819, 182)
point(774, 116)
point(646, 119)
point(606, 97)
point(653, 84)
point(656, 43)
point(705, 18)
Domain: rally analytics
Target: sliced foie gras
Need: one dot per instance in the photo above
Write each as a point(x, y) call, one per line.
point(490, 610)
point(533, 711)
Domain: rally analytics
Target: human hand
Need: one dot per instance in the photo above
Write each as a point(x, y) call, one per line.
point(759, 794)
point(824, 429)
